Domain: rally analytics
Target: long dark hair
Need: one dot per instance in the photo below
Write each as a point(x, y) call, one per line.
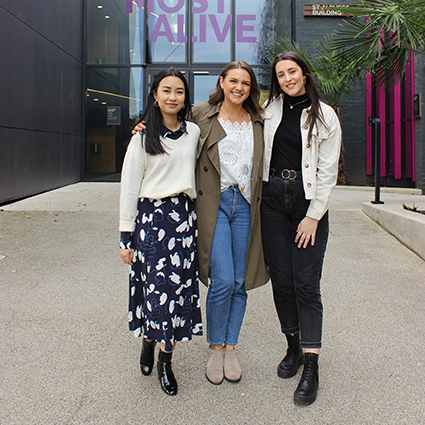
point(253, 100)
point(315, 111)
point(153, 116)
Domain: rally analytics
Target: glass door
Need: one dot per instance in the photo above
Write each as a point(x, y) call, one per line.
point(203, 84)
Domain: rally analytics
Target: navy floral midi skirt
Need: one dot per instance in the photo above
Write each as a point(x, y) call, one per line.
point(164, 285)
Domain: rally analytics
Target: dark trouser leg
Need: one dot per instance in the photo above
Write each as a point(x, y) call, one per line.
point(295, 272)
point(278, 233)
point(307, 268)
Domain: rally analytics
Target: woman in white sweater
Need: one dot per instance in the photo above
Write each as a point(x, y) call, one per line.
point(158, 226)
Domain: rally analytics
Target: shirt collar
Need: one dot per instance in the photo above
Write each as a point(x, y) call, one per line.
point(166, 132)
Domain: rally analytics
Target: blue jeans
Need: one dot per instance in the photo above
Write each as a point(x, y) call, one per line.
point(226, 299)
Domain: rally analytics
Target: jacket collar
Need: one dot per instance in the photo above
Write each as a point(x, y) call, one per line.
point(276, 106)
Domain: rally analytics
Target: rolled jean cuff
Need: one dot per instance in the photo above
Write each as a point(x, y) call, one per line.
point(291, 331)
point(214, 343)
point(311, 344)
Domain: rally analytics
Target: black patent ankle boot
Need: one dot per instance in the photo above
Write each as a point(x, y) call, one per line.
point(307, 388)
point(294, 358)
point(165, 373)
point(147, 356)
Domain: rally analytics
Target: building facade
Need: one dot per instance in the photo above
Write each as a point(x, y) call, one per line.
point(41, 89)
point(77, 75)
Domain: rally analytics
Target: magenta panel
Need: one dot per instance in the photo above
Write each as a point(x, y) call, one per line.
point(369, 154)
point(391, 148)
point(380, 104)
point(412, 145)
point(390, 133)
point(396, 154)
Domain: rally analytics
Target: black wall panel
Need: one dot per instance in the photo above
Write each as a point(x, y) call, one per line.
point(71, 82)
point(59, 21)
point(16, 82)
point(420, 124)
point(41, 91)
point(6, 162)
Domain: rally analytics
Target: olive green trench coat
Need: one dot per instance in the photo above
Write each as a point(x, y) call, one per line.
point(208, 193)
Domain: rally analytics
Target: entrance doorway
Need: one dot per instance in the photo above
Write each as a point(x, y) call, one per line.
point(115, 99)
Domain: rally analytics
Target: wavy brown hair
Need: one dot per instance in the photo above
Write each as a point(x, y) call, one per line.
point(315, 112)
point(252, 101)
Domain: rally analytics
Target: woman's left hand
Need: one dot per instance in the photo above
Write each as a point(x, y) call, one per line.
point(140, 126)
point(306, 232)
point(126, 255)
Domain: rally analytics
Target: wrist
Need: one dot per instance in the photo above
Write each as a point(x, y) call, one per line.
point(126, 240)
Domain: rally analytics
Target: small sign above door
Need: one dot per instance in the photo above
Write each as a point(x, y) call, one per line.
point(317, 10)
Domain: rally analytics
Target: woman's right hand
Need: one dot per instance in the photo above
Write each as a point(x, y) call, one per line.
point(126, 255)
point(306, 232)
point(139, 127)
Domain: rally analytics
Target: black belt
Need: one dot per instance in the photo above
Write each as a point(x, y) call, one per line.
point(286, 174)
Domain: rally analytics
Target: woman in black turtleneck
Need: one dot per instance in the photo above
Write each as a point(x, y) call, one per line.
point(302, 139)
point(286, 152)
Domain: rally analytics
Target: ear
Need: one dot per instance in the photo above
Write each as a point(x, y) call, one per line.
point(221, 82)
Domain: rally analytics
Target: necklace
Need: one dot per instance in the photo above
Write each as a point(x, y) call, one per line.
point(231, 119)
point(295, 104)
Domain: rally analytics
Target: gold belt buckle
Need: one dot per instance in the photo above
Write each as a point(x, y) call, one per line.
point(287, 174)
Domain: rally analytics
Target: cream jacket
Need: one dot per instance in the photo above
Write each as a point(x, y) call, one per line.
point(319, 158)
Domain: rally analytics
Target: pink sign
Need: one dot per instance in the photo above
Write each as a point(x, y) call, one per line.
point(162, 28)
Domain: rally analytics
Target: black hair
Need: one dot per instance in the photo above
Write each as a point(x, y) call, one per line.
point(315, 112)
point(153, 116)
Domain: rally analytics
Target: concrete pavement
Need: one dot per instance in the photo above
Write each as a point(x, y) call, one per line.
point(67, 356)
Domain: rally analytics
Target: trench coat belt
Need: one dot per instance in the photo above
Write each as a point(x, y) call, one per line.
point(286, 174)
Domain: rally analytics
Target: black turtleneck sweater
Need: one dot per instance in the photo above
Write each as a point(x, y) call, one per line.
point(287, 147)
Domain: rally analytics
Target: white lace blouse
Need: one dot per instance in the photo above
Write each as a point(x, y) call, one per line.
point(236, 153)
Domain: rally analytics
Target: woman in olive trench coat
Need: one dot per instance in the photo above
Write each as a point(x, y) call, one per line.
point(208, 193)
point(230, 252)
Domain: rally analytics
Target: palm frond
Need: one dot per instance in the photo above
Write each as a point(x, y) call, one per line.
point(379, 37)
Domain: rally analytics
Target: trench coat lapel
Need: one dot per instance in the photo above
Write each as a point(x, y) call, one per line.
point(216, 134)
point(212, 133)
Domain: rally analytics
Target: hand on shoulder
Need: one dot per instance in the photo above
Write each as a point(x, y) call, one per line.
point(139, 127)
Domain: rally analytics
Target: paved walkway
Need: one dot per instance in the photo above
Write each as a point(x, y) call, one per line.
point(67, 357)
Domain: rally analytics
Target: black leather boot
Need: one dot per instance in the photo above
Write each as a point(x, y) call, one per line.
point(294, 358)
point(165, 373)
point(147, 357)
point(307, 388)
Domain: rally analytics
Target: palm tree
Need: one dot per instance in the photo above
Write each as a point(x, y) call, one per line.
point(379, 38)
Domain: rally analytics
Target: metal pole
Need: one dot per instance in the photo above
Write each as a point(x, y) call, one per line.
point(376, 122)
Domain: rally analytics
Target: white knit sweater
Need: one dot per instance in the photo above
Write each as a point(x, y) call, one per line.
point(157, 176)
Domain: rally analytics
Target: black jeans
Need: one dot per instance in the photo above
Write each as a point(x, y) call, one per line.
point(295, 272)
